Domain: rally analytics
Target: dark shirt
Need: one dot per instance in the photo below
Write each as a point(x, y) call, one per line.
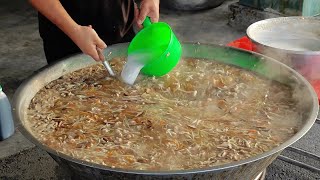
point(111, 19)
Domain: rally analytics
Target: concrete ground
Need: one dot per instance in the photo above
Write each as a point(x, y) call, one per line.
point(21, 54)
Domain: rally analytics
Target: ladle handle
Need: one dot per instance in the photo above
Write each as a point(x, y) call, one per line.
point(105, 62)
point(147, 22)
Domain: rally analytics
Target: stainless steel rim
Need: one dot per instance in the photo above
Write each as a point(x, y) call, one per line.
point(23, 89)
point(261, 176)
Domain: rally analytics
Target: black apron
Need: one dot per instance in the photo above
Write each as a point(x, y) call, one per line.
point(111, 19)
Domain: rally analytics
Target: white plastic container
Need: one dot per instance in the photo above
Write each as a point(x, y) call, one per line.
point(6, 120)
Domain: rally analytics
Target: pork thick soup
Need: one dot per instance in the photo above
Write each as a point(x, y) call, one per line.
point(201, 114)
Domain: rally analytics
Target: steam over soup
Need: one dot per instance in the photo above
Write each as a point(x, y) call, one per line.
point(201, 114)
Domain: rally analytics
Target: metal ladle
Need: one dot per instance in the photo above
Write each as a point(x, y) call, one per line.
point(105, 62)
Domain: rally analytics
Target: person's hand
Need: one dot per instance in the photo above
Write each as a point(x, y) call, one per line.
point(147, 8)
point(86, 38)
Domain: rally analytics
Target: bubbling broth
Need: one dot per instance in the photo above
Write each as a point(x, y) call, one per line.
point(201, 114)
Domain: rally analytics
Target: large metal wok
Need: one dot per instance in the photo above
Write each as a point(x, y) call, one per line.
point(244, 169)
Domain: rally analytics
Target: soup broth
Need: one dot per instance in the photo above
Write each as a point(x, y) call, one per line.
point(200, 115)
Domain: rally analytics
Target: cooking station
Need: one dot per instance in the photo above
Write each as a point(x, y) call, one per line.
point(20, 159)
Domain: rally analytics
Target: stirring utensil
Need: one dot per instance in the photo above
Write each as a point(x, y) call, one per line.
point(105, 62)
point(108, 67)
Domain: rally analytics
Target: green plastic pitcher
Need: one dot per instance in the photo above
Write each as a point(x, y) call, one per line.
point(161, 46)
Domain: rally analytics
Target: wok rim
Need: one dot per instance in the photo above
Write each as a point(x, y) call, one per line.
point(303, 130)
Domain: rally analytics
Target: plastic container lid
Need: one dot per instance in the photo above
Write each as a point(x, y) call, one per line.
point(242, 43)
point(316, 86)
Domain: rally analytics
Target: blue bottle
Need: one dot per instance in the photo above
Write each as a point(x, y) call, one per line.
point(6, 120)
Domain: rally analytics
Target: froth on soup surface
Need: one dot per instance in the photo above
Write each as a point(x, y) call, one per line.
point(201, 114)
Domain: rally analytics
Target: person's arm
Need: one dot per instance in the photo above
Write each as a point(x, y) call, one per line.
point(83, 36)
point(147, 8)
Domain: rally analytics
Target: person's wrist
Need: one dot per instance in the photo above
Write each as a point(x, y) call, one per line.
point(73, 31)
point(157, 2)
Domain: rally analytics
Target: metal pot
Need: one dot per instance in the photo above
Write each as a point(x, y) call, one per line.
point(189, 5)
point(294, 41)
point(244, 169)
